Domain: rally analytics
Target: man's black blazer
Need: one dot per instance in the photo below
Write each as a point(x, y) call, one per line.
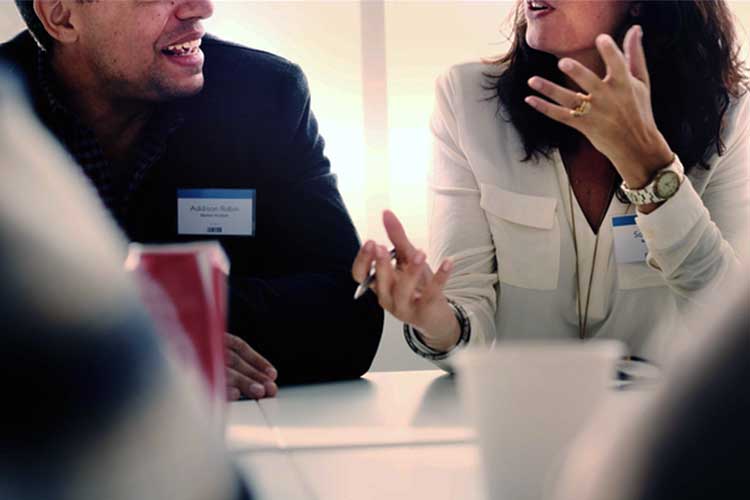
point(251, 127)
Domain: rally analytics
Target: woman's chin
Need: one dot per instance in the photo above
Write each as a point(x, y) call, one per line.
point(540, 43)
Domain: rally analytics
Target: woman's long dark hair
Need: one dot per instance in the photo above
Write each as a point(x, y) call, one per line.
point(694, 65)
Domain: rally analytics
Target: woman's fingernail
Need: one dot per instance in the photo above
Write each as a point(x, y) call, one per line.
point(535, 83)
point(368, 246)
point(271, 372)
point(530, 101)
point(257, 389)
point(447, 266)
point(565, 64)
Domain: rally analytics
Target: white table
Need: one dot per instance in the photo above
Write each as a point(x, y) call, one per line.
point(390, 435)
point(395, 435)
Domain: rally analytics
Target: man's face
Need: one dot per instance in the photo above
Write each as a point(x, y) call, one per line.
point(142, 49)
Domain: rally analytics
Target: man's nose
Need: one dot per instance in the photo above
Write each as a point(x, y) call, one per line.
point(194, 9)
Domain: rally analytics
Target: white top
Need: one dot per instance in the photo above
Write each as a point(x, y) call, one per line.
point(506, 224)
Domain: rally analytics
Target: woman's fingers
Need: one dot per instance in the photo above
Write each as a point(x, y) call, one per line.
point(565, 97)
point(363, 262)
point(584, 77)
point(405, 288)
point(557, 113)
point(385, 277)
point(617, 67)
point(635, 55)
point(434, 288)
point(397, 235)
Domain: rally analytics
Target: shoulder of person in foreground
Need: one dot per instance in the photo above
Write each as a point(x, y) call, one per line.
point(684, 439)
point(19, 57)
point(97, 409)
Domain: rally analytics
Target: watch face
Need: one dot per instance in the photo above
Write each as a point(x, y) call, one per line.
point(667, 184)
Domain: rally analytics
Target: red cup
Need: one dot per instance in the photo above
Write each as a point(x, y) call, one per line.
point(184, 287)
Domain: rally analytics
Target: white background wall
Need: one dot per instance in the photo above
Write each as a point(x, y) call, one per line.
point(404, 48)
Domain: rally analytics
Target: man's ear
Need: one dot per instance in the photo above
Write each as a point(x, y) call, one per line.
point(55, 17)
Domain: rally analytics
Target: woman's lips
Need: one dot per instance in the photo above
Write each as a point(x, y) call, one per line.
point(538, 8)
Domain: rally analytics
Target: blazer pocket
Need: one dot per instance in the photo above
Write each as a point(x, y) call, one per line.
point(638, 275)
point(526, 234)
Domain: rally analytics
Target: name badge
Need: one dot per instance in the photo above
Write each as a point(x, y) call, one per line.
point(630, 246)
point(217, 212)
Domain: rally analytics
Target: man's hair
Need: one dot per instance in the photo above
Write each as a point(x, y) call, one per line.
point(34, 25)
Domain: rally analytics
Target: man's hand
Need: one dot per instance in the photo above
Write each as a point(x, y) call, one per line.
point(248, 373)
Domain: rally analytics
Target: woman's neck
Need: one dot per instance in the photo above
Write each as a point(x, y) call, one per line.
point(591, 59)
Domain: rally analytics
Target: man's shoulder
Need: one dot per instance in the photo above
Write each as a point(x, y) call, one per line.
point(19, 44)
point(242, 81)
point(19, 53)
point(245, 62)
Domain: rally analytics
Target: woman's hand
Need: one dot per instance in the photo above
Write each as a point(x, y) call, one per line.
point(620, 122)
point(410, 291)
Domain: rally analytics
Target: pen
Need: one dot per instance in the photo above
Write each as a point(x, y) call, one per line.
point(362, 288)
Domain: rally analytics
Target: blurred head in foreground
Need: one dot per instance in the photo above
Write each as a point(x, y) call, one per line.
point(94, 407)
point(691, 439)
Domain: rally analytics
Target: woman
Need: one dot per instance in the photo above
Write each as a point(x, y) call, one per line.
point(539, 155)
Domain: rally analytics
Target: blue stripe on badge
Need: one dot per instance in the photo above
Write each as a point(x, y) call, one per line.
point(623, 220)
point(226, 194)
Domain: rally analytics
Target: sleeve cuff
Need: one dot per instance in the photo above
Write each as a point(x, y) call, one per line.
point(669, 224)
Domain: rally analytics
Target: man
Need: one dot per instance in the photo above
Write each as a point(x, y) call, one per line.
point(230, 151)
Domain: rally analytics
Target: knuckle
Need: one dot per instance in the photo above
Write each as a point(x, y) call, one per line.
point(261, 364)
point(231, 377)
point(233, 360)
point(232, 341)
point(245, 351)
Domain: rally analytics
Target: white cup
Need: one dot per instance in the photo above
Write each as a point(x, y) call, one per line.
point(528, 400)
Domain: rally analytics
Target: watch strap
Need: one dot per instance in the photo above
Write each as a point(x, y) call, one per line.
point(647, 194)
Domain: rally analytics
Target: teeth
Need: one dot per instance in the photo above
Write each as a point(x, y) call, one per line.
point(185, 48)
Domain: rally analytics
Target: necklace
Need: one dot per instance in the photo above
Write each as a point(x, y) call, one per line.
point(583, 315)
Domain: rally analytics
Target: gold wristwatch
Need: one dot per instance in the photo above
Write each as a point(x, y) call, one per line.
point(666, 183)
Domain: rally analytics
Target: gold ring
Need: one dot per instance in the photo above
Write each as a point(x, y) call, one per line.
point(583, 107)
